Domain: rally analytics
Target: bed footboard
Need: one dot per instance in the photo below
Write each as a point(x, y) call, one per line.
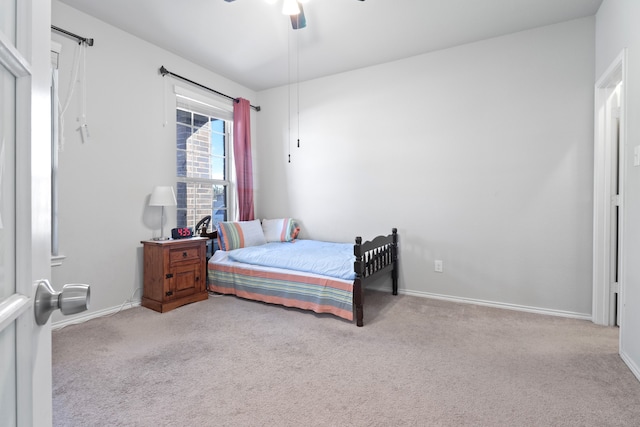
point(374, 258)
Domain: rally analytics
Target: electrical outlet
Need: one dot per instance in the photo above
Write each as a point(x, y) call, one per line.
point(438, 266)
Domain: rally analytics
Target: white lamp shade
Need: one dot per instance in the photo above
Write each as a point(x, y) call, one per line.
point(162, 196)
point(290, 7)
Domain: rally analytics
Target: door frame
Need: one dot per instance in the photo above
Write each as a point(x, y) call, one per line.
point(615, 74)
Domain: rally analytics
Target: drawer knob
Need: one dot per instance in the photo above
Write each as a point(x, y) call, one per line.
point(184, 254)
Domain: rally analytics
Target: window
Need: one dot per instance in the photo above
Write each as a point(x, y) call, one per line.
point(202, 147)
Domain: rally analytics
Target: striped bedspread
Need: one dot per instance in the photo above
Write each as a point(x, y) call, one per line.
point(306, 291)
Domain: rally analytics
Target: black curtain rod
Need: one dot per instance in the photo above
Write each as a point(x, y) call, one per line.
point(164, 72)
point(75, 36)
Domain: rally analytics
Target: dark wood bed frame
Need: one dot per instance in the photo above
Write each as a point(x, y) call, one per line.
point(374, 258)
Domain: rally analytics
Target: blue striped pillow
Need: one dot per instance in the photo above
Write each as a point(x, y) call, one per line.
point(235, 235)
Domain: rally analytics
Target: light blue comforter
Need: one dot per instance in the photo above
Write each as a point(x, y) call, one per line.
point(311, 256)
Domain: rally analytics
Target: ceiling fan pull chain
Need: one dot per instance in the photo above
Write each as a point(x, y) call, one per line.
point(298, 82)
point(289, 90)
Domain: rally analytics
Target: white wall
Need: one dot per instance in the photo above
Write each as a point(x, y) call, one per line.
point(481, 155)
point(617, 28)
point(105, 183)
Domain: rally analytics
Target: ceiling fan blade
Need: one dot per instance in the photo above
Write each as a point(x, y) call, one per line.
point(299, 21)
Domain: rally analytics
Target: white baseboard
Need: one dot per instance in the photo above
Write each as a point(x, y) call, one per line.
point(631, 364)
point(507, 306)
point(93, 315)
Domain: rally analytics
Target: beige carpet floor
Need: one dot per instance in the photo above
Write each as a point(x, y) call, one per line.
point(416, 362)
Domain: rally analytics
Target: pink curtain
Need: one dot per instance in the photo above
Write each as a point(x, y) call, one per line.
point(242, 155)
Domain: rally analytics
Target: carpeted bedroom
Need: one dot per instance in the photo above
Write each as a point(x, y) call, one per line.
point(417, 362)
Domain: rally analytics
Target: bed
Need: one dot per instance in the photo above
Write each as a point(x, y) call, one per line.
point(233, 270)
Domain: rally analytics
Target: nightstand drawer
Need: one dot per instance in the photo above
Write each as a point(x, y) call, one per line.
point(184, 254)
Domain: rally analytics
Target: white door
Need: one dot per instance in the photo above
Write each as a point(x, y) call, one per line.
point(25, 212)
point(614, 303)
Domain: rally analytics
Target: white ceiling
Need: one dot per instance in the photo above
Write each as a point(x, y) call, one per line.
point(252, 43)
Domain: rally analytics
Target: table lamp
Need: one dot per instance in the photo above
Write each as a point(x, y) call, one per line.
point(162, 196)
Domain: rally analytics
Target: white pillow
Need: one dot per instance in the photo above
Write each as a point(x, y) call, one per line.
point(280, 230)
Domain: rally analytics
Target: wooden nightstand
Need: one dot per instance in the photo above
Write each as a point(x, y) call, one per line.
point(175, 273)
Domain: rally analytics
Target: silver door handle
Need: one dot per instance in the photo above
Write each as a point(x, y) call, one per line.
point(73, 299)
